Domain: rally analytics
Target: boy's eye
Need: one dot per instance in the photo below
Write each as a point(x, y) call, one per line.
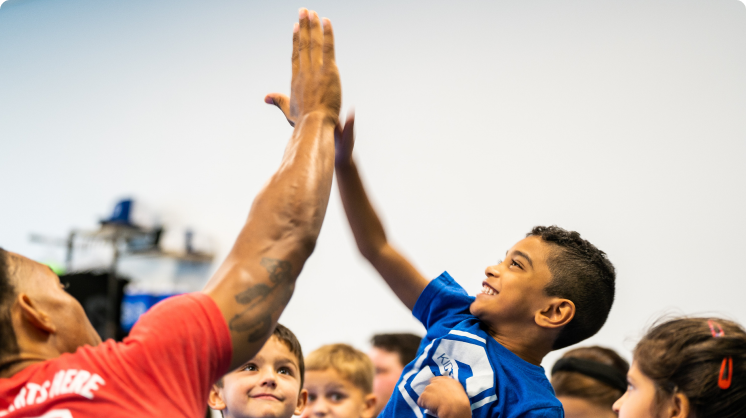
point(336, 397)
point(284, 370)
point(514, 263)
point(311, 397)
point(250, 367)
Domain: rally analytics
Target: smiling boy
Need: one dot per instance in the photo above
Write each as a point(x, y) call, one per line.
point(267, 386)
point(481, 356)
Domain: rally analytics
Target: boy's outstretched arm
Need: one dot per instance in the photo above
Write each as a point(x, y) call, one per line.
point(256, 280)
point(371, 240)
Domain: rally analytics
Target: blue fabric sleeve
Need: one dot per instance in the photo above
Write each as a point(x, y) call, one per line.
point(443, 303)
point(544, 413)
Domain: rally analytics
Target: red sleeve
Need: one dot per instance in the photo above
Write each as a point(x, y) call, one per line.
point(177, 350)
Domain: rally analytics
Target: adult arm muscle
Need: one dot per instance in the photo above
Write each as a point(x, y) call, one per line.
point(257, 279)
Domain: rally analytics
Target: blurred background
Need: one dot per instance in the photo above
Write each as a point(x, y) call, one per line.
point(476, 121)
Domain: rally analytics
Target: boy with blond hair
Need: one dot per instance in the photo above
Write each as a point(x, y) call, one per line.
point(267, 386)
point(339, 381)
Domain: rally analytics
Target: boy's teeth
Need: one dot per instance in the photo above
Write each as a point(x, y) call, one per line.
point(487, 290)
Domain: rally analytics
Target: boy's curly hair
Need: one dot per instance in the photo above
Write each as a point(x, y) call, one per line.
point(581, 273)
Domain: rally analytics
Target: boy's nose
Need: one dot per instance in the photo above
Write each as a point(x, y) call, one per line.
point(319, 408)
point(268, 379)
point(492, 271)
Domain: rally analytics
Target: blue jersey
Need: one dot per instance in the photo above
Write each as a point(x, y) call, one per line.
point(498, 382)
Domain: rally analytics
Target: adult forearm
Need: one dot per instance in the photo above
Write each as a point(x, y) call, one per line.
point(257, 279)
point(255, 282)
point(290, 209)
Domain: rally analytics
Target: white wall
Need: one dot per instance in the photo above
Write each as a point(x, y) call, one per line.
point(476, 121)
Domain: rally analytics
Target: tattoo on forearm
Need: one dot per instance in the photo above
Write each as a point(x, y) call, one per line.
point(258, 291)
point(279, 270)
point(258, 324)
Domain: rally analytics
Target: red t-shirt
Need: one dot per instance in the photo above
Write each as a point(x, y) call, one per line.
point(163, 369)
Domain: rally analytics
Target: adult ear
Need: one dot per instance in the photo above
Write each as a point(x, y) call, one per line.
point(369, 406)
point(215, 399)
point(31, 314)
point(302, 401)
point(678, 406)
point(556, 314)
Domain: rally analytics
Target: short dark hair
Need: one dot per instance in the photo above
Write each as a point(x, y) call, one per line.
point(8, 341)
point(287, 337)
point(403, 344)
point(577, 384)
point(682, 356)
point(581, 273)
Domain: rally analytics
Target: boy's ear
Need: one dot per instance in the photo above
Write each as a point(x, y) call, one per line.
point(302, 401)
point(558, 313)
point(369, 406)
point(215, 399)
point(34, 316)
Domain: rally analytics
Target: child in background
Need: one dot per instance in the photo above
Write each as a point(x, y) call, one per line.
point(267, 386)
point(389, 354)
point(339, 381)
point(687, 368)
point(588, 380)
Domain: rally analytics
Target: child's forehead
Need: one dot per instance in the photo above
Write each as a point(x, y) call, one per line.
point(277, 350)
point(532, 247)
point(330, 378)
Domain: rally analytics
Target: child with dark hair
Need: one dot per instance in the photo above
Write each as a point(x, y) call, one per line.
point(389, 354)
point(588, 380)
point(688, 368)
point(270, 385)
point(481, 356)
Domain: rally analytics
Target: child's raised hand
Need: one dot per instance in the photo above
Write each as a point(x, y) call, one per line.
point(444, 397)
point(344, 140)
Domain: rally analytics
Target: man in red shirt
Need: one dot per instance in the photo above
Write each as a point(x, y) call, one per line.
point(52, 362)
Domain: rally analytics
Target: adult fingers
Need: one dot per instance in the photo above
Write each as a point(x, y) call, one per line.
point(282, 102)
point(328, 41)
point(304, 39)
point(317, 40)
point(295, 57)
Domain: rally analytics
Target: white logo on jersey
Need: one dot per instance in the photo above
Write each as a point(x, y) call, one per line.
point(445, 356)
point(80, 382)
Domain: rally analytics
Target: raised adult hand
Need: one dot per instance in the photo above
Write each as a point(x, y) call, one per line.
point(315, 85)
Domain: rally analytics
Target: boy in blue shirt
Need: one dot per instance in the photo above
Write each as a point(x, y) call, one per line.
point(481, 356)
